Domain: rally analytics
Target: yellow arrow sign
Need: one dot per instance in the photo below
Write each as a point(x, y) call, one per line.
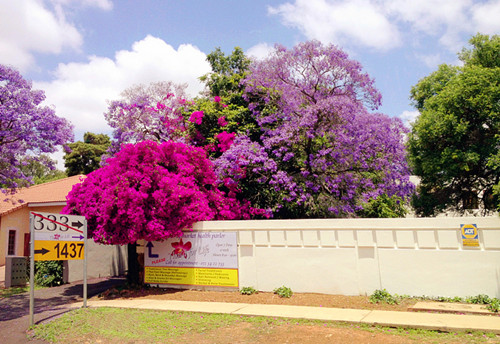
point(58, 250)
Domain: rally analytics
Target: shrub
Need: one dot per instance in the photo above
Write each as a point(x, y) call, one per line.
point(480, 299)
point(283, 292)
point(494, 305)
point(248, 291)
point(382, 295)
point(49, 273)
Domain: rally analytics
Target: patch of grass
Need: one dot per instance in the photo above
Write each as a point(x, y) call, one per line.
point(382, 295)
point(8, 292)
point(129, 325)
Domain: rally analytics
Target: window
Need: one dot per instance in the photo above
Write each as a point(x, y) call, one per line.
point(11, 248)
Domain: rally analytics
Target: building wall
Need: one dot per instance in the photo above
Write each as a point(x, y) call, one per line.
point(19, 221)
point(103, 260)
point(414, 256)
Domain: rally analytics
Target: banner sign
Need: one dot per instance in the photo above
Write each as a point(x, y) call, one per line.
point(470, 235)
point(198, 258)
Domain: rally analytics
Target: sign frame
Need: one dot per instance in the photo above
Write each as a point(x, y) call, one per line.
point(197, 259)
point(55, 221)
point(469, 234)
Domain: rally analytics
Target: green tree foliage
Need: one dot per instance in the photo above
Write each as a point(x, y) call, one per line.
point(227, 73)
point(454, 144)
point(39, 169)
point(223, 106)
point(384, 207)
point(85, 156)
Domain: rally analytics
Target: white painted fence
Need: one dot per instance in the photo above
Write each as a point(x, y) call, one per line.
point(414, 256)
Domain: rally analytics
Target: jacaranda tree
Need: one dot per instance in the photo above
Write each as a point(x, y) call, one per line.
point(27, 129)
point(151, 191)
point(321, 152)
point(148, 112)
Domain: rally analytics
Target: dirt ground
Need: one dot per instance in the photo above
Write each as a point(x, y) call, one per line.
point(244, 332)
point(297, 299)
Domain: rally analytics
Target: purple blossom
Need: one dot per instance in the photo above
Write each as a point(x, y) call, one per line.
point(330, 153)
point(27, 129)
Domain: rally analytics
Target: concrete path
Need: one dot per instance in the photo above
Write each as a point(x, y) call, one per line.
point(429, 321)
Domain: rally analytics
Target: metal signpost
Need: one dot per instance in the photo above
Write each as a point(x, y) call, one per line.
point(56, 237)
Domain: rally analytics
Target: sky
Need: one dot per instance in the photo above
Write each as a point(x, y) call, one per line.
point(83, 53)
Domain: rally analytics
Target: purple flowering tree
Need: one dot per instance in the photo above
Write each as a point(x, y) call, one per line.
point(321, 151)
point(151, 191)
point(27, 129)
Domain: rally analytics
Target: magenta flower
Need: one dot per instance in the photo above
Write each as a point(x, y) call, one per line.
point(217, 99)
point(160, 188)
point(222, 121)
point(226, 140)
point(196, 117)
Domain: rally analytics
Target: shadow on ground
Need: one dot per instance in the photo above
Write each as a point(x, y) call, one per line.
point(49, 303)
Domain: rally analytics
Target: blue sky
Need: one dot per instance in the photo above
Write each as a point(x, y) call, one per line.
point(84, 52)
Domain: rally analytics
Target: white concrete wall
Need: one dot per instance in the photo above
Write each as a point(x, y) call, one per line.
point(414, 256)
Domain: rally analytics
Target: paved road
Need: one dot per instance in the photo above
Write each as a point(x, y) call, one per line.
point(49, 303)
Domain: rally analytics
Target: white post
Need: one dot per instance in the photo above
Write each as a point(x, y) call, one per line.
point(32, 272)
point(85, 251)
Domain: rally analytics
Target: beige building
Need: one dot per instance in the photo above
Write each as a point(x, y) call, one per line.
point(103, 260)
point(14, 213)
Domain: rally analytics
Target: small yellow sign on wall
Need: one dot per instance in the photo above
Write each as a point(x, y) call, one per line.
point(470, 235)
point(58, 250)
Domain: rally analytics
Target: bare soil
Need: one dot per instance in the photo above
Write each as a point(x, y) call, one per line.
point(297, 299)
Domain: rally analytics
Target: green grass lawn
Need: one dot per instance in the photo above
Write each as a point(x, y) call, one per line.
point(8, 292)
point(146, 326)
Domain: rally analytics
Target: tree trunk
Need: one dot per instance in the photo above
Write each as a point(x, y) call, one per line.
point(133, 265)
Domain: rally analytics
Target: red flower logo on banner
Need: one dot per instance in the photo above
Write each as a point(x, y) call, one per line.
point(180, 249)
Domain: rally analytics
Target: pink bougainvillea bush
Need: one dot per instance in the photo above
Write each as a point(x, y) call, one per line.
point(151, 191)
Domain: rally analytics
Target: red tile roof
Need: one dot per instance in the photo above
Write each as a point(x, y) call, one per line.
point(55, 191)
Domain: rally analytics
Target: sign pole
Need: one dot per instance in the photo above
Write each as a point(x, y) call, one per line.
point(85, 264)
point(55, 241)
point(32, 272)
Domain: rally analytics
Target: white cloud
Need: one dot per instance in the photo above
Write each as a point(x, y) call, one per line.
point(359, 21)
point(385, 24)
point(486, 17)
point(259, 51)
point(409, 117)
point(27, 27)
point(80, 90)
point(445, 19)
point(430, 60)
point(102, 4)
